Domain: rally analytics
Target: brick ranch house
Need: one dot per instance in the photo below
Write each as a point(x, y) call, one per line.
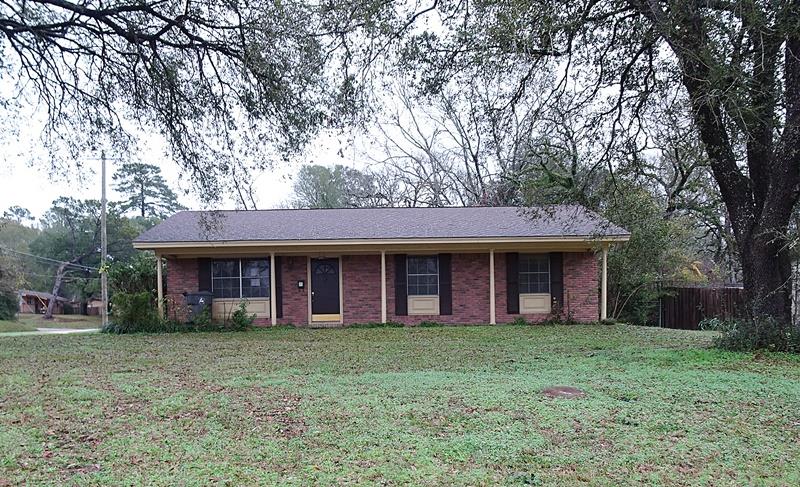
point(327, 267)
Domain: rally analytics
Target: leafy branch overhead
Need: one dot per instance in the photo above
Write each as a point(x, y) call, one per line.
point(223, 81)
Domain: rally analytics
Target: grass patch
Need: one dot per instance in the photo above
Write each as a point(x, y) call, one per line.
point(12, 326)
point(452, 405)
point(30, 322)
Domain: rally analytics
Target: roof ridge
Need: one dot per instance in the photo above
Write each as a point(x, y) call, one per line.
point(559, 205)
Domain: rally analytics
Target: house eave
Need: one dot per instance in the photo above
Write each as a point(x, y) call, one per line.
point(472, 243)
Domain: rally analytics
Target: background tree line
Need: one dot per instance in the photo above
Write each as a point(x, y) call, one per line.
point(60, 254)
point(599, 85)
point(444, 152)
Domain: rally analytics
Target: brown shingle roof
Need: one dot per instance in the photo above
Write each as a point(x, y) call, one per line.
point(39, 294)
point(381, 223)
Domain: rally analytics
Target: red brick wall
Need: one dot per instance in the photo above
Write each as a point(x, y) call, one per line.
point(295, 301)
point(581, 295)
point(470, 291)
point(182, 278)
point(501, 294)
point(361, 291)
point(580, 288)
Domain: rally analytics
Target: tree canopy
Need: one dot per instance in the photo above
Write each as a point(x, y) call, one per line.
point(71, 235)
point(18, 214)
point(227, 83)
point(318, 186)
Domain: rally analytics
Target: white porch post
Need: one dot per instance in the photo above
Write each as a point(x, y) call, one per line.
point(383, 286)
point(160, 286)
point(604, 285)
point(492, 311)
point(273, 303)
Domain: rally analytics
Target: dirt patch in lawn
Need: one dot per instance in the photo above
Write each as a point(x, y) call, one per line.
point(282, 411)
point(565, 392)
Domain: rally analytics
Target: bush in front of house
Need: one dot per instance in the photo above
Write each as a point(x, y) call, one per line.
point(133, 313)
point(430, 324)
point(558, 317)
point(135, 275)
point(751, 334)
point(137, 313)
point(9, 306)
point(240, 320)
point(520, 321)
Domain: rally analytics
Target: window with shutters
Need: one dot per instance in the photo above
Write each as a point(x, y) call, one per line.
point(534, 273)
point(240, 278)
point(423, 275)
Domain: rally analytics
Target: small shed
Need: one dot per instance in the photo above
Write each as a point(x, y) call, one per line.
point(93, 306)
point(37, 302)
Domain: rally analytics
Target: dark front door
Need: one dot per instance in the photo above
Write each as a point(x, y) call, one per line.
point(324, 286)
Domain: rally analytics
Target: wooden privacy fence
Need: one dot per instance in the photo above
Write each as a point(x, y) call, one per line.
point(685, 307)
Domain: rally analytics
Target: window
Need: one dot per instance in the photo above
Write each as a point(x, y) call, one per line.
point(534, 273)
point(423, 275)
point(240, 278)
point(225, 281)
point(255, 279)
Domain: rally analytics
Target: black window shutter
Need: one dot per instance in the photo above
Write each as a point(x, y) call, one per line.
point(512, 283)
point(445, 285)
point(278, 288)
point(557, 278)
point(204, 275)
point(400, 285)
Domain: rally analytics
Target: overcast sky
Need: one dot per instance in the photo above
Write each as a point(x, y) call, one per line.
point(26, 182)
point(25, 178)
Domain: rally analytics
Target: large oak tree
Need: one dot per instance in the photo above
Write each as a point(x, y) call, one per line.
point(734, 64)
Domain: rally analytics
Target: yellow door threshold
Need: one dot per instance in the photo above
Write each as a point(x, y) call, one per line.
point(326, 318)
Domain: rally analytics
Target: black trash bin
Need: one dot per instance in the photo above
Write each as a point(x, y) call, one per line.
point(198, 302)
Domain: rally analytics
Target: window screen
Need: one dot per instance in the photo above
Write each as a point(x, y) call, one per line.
point(534, 273)
point(423, 275)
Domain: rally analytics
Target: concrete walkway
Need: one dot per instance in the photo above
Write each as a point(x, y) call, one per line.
point(49, 331)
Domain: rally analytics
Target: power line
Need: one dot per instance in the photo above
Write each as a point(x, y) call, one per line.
point(79, 266)
point(52, 276)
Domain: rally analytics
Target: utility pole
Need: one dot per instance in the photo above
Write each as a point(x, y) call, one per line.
point(103, 243)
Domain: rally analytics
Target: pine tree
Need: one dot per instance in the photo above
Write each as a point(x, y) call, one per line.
point(146, 190)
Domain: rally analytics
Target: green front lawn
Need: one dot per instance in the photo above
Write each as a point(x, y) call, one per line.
point(430, 406)
point(30, 322)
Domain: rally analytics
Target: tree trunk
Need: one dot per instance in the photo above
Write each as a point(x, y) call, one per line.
point(142, 206)
point(51, 304)
point(767, 276)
